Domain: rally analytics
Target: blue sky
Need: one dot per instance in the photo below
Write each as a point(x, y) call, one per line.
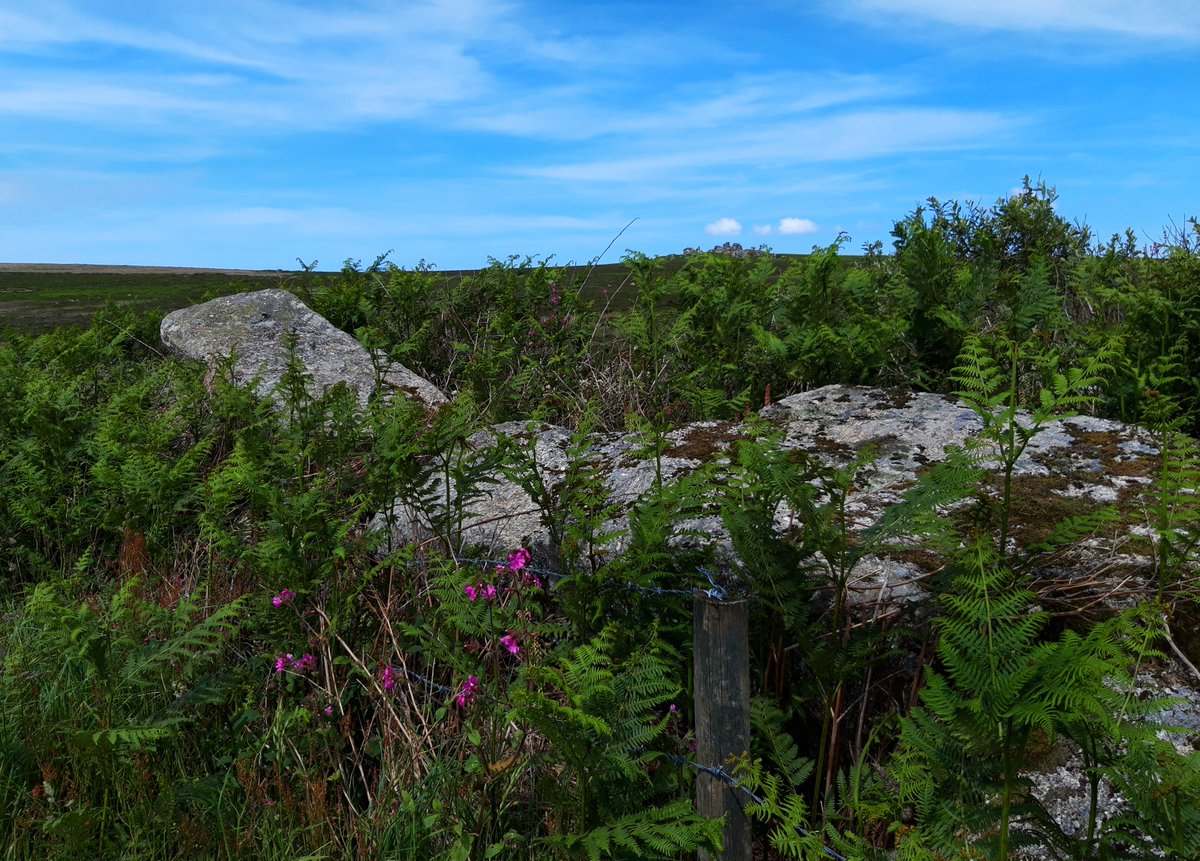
point(251, 133)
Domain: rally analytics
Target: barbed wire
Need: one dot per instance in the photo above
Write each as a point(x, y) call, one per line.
point(724, 776)
point(416, 677)
point(715, 591)
point(717, 594)
point(717, 771)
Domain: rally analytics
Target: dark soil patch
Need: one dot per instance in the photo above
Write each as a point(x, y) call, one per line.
point(701, 443)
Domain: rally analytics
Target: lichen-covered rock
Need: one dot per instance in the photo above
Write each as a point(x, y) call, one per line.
point(254, 327)
point(1072, 467)
point(503, 515)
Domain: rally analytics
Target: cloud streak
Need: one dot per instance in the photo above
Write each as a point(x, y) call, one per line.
point(1172, 20)
point(854, 135)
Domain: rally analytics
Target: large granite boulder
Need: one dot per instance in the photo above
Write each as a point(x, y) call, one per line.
point(1072, 467)
point(254, 329)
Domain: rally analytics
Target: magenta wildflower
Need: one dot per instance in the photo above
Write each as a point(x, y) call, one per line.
point(302, 664)
point(518, 559)
point(389, 679)
point(672, 709)
point(530, 579)
point(286, 596)
point(328, 711)
point(511, 643)
point(467, 689)
point(485, 591)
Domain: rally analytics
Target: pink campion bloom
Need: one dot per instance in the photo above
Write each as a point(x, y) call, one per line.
point(672, 709)
point(284, 662)
point(489, 591)
point(531, 580)
point(467, 691)
point(328, 711)
point(389, 679)
point(304, 663)
point(518, 559)
point(469, 591)
point(511, 643)
point(286, 596)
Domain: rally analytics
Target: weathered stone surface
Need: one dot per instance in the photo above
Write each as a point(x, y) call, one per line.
point(253, 327)
point(504, 516)
point(1072, 466)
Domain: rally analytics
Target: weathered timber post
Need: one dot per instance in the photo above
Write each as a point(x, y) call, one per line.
point(721, 651)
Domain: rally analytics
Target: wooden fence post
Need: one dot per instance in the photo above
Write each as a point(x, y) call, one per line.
point(721, 651)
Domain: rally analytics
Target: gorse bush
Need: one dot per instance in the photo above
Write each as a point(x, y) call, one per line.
point(212, 649)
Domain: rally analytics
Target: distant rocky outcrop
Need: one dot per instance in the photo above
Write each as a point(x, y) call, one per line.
point(729, 249)
point(254, 328)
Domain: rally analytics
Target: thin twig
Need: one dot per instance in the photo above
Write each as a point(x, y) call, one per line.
point(1174, 648)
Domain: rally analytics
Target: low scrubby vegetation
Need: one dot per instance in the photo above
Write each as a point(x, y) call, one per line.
point(208, 653)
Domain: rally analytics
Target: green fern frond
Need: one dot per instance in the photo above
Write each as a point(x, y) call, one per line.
point(660, 832)
point(154, 660)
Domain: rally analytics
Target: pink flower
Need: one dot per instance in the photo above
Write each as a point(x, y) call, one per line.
point(511, 643)
point(389, 679)
point(530, 580)
point(480, 590)
point(290, 662)
point(328, 711)
point(672, 709)
point(518, 559)
point(284, 597)
point(467, 694)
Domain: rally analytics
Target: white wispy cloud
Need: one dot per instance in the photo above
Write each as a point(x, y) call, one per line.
point(856, 134)
point(797, 226)
point(576, 112)
point(723, 227)
point(253, 64)
point(1145, 19)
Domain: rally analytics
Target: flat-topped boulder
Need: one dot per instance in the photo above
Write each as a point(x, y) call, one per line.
point(1072, 467)
point(255, 328)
